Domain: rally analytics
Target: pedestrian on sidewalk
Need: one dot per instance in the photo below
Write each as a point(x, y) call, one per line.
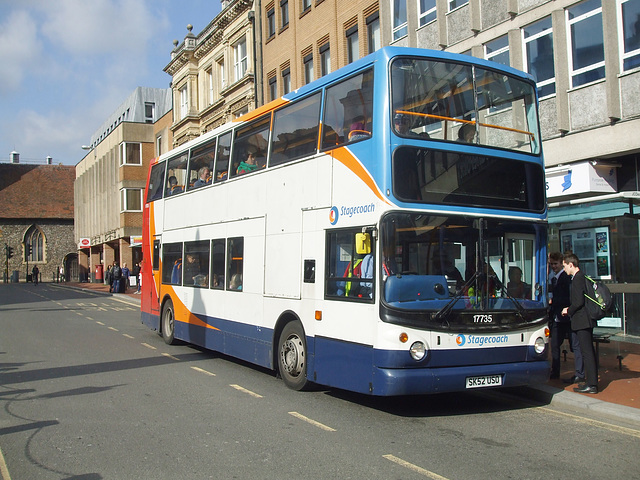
point(35, 272)
point(136, 273)
point(559, 324)
point(581, 322)
point(108, 277)
point(126, 273)
point(116, 273)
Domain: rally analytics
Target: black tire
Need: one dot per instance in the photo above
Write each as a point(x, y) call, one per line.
point(292, 356)
point(168, 323)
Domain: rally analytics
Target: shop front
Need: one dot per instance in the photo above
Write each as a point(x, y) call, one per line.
point(589, 217)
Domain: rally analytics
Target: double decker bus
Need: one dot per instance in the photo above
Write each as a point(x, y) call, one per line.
point(380, 230)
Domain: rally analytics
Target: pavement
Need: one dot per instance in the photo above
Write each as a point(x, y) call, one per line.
point(618, 381)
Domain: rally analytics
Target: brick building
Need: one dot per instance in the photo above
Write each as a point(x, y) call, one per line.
point(37, 210)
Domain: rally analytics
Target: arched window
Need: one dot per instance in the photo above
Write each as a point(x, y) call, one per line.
point(35, 238)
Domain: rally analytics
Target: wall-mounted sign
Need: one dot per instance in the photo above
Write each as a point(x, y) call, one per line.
point(84, 243)
point(580, 178)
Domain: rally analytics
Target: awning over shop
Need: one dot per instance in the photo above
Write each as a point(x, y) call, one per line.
point(594, 208)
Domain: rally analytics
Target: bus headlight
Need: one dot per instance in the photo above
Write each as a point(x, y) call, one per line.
point(418, 351)
point(539, 346)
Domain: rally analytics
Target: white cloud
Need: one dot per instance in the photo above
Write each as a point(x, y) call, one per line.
point(36, 135)
point(99, 26)
point(19, 49)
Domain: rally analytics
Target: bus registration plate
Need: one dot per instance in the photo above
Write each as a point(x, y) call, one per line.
point(484, 381)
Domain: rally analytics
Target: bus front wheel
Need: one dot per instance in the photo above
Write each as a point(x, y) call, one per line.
point(292, 356)
point(168, 318)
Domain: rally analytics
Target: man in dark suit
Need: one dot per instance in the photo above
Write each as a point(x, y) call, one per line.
point(581, 323)
point(560, 325)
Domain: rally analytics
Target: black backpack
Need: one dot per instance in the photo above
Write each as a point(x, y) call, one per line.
point(598, 299)
point(116, 272)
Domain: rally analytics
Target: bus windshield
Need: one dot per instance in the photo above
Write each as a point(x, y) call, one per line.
point(456, 102)
point(459, 263)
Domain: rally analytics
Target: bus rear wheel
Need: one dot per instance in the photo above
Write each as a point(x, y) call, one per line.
point(168, 318)
point(292, 356)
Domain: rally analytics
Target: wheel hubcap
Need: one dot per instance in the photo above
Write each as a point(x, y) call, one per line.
point(292, 356)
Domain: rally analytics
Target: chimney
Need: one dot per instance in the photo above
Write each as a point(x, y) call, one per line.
point(15, 157)
point(49, 160)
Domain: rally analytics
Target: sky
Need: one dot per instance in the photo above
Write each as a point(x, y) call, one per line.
point(66, 65)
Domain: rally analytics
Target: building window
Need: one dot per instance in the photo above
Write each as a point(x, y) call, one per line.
point(284, 13)
point(271, 22)
point(35, 239)
point(184, 102)
point(273, 88)
point(629, 33)
point(286, 81)
point(325, 59)
point(210, 85)
point(426, 11)
point(373, 32)
point(240, 55)
point(586, 42)
point(353, 45)
point(158, 145)
point(453, 4)
point(306, 5)
point(223, 79)
point(399, 16)
point(149, 112)
point(308, 68)
point(130, 153)
point(538, 51)
point(498, 50)
point(131, 200)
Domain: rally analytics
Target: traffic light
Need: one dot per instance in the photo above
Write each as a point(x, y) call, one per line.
point(29, 249)
point(9, 251)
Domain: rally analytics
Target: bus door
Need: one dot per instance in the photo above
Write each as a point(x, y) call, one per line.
point(520, 265)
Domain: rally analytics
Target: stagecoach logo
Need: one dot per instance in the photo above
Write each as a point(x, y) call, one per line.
point(350, 211)
point(480, 340)
point(333, 215)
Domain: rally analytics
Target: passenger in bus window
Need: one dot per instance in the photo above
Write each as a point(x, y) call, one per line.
point(173, 186)
point(466, 133)
point(248, 165)
point(191, 269)
point(204, 177)
point(236, 282)
point(516, 287)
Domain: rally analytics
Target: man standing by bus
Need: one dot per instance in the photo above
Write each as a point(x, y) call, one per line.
point(560, 325)
point(581, 323)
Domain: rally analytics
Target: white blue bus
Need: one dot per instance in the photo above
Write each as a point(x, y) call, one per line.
point(380, 230)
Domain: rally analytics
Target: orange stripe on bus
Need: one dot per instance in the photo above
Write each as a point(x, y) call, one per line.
point(344, 156)
point(182, 313)
point(253, 114)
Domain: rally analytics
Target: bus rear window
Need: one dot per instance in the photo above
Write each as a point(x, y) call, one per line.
point(431, 176)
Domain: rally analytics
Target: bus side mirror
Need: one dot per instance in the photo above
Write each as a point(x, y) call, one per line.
point(363, 243)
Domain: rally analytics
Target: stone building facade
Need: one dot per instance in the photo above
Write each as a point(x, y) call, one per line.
point(213, 73)
point(38, 211)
